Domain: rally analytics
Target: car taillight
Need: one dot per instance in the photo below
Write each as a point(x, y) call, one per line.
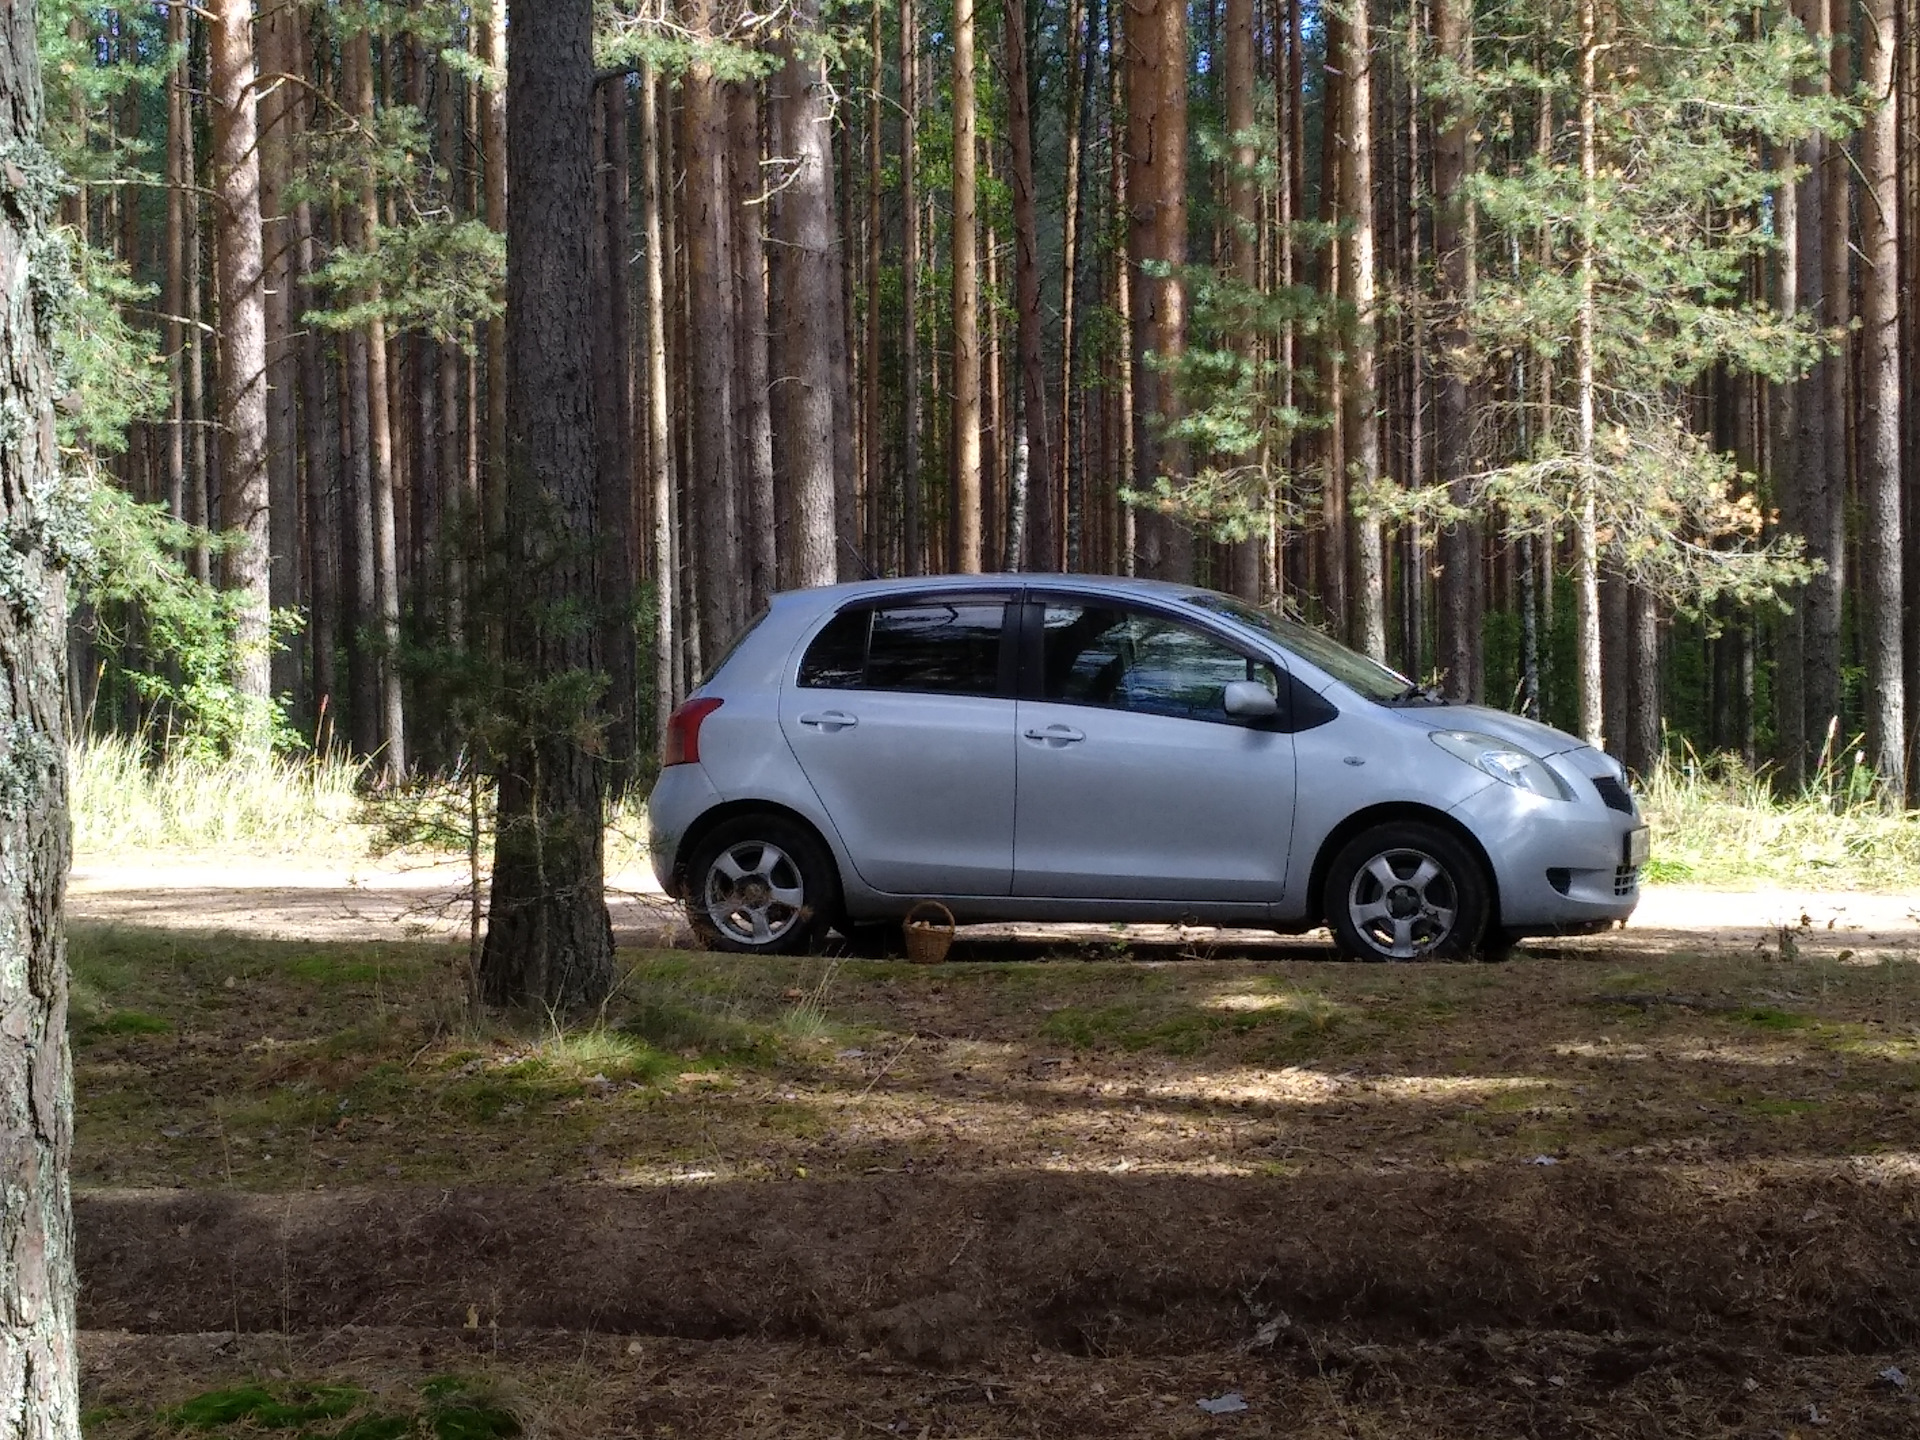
point(683, 732)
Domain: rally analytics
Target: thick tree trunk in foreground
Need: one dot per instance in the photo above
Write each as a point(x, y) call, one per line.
point(39, 1362)
point(240, 283)
point(549, 940)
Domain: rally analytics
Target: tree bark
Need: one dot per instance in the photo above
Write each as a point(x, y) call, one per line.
point(1243, 235)
point(1361, 393)
point(806, 318)
point(964, 455)
point(1789, 671)
point(1880, 434)
point(1824, 421)
point(1458, 546)
point(753, 419)
point(1042, 528)
point(659, 428)
point(549, 938)
point(379, 443)
point(913, 488)
point(240, 281)
point(1586, 566)
point(39, 1379)
point(275, 38)
point(613, 410)
point(493, 150)
point(1157, 233)
point(712, 483)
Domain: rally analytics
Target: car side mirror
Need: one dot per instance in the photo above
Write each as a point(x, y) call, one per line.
point(1249, 700)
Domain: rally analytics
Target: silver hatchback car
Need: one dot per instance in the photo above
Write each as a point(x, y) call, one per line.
point(1026, 747)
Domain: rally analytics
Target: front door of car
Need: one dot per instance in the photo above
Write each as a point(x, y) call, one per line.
point(902, 717)
point(1133, 781)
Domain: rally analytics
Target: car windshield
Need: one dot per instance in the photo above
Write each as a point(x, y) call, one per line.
point(1367, 677)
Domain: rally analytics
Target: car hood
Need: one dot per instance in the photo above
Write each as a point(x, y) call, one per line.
point(1529, 735)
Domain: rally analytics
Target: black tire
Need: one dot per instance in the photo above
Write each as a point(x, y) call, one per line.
point(761, 885)
point(1406, 891)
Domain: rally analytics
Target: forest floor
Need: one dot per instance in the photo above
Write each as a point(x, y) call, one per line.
point(1662, 1182)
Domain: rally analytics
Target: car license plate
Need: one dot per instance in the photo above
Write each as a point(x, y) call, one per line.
point(1637, 847)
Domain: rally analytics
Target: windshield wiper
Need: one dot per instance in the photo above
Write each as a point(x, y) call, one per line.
point(1417, 691)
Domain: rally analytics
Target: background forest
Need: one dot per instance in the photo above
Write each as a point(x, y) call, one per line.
point(1553, 350)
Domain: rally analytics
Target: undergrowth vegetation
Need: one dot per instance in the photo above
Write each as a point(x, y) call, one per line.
point(1722, 824)
point(317, 806)
point(1714, 822)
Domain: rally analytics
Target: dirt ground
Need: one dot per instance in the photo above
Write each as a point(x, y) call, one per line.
point(1663, 1182)
point(289, 899)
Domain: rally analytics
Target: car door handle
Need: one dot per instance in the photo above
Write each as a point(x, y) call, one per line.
point(1056, 735)
point(830, 721)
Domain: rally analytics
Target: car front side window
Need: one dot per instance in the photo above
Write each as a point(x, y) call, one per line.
point(1141, 662)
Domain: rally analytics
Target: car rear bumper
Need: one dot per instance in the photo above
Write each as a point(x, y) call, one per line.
point(680, 796)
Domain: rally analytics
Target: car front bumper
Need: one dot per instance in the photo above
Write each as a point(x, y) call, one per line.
point(1560, 866)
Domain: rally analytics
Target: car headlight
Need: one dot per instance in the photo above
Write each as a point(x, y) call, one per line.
point(1505, 763)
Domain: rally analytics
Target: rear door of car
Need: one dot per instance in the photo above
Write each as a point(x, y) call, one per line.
point(901, 714)
point(1133, 781)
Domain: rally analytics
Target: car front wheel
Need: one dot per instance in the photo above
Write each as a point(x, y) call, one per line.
point(761, 885)
point(1406, 891)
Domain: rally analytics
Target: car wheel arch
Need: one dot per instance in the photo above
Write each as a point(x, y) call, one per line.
point(1386, 814)
point(709, 820)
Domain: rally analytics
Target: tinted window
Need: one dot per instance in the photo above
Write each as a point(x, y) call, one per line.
point(837, 658)
point(1367, 676)
point(1135, 660)
point(938, 647)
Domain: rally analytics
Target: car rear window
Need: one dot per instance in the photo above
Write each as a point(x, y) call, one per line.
point(936, 647)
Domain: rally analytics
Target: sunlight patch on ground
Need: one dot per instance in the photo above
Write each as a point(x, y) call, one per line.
point(1695, 1052)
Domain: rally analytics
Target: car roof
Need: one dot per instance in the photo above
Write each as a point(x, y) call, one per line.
point(1119, 586)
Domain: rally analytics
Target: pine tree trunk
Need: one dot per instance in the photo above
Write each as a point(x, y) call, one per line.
point(964, 492)
point(241, 282)
point(753, 418)
point(1042, 527)
point(274, 34)
point(911, 483)
point(39, 1381)
point(1586, 571)
point(613, 408)
point(1880, 433)
point(549, 940)
point(1789, 671)
point(805, 308)
point(712, 484)
point(173, 289)
point(1243, 236)
point(659, 429)
point(493, 149)
point(380, 479)
point(1458, 546)
point(1824, 422)
point(1157, 234)
point(1367, 626)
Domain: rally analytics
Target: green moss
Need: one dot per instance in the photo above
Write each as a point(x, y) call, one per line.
point(131, 1022)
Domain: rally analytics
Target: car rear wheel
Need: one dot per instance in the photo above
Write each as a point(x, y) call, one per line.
point(761, 885)
point(1406, 891)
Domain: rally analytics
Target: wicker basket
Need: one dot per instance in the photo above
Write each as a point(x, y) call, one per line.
point(929, 932)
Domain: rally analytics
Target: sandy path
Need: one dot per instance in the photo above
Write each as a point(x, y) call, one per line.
point(343, 900)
